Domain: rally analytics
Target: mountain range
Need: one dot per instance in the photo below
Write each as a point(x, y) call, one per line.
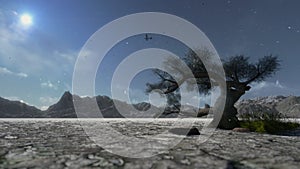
point(289, 106)
point(65, 108)
point(17, 109)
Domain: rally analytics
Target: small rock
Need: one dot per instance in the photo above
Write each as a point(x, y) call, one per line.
point(91, 156)
point(10, 137)
point(102, 163)
point(68, 163)
point(2, 135)
point(185, 131)
point(95, 157)
point(193, 131)
point(166, 157)
point(239, 129)
point(117, 161)
point(185, 162)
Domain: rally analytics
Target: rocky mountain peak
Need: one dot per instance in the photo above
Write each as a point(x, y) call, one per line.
point(65, 102)
point(67, 95)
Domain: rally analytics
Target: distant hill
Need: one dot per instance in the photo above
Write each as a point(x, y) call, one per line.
point(289, 106)
point(17, 109)
point(64, 108)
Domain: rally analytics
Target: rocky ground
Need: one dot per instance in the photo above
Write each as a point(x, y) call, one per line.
point(64, 144)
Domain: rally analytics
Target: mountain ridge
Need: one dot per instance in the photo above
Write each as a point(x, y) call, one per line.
point(289, 106)
point(17, 109)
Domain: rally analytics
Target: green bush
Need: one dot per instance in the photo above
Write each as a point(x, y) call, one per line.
point(268, 126)
point(274, 116)
point(267, 123)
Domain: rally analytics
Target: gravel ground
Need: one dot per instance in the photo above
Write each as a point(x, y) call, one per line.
point(64, 144)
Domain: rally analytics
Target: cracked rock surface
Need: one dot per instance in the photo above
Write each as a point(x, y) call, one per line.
point(64, 144)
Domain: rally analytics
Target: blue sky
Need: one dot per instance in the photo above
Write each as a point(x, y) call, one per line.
point(37, 61)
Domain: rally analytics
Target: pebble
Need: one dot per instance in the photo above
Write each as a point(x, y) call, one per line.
point(10, 137)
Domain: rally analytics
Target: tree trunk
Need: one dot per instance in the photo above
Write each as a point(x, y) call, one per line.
point(229, 119)
point(224, 110)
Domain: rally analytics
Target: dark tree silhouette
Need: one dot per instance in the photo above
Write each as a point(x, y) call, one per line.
point(239, 73)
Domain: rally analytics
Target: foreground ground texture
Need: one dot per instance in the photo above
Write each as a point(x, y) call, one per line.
point(64, 144)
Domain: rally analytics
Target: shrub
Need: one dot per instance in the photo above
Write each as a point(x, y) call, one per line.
point(267, 123)
point(262, 116)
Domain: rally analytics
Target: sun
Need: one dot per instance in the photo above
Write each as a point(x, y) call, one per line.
point(26, 19)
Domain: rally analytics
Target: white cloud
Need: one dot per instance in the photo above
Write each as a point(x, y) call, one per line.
point(190, 97)
point(49, 84)
point(120, 92)
point(278, 84)
point(44, 108)
point(16, 98)
point(267, 88)
point(200, 100)
point(264, 85)
point(22, 74)
point(13, 98)
point(68, 56)
point(157, 100)
point(47, 101)
point(5, 71)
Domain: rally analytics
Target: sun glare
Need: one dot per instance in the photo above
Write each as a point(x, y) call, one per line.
point(26, 19)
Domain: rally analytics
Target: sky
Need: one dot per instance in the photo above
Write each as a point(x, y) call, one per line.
point(38, 54)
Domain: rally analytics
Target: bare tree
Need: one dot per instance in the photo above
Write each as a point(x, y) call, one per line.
point(239, 74)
